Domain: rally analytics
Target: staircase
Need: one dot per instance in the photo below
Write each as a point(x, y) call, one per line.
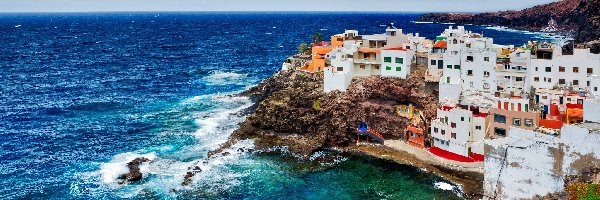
point(370, 133)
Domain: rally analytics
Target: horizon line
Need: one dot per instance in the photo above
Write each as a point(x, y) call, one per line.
point(233, 11)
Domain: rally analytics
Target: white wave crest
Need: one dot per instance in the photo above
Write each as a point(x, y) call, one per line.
point(224, 78)
point(118, 165)
point(443, 186)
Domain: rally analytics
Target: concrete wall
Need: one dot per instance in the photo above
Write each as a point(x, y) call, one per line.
point(591, 110)
point(528, 163)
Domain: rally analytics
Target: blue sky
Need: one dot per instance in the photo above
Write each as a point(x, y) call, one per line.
point(265, 5)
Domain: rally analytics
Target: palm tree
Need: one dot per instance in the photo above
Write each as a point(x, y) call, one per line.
point(302, 48)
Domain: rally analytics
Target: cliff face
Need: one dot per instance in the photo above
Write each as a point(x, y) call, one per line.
point(579, 16)
point(286, 115)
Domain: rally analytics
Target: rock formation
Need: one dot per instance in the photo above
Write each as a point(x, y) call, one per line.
point(134, 173)
point(581, 17)
point(286, 114)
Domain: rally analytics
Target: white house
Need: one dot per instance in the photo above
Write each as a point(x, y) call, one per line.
point(549, 68)
point(396, 62)
point(458, 131)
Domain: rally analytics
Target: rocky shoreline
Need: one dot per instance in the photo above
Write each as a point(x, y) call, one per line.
point(292, 111)
point(580, 18)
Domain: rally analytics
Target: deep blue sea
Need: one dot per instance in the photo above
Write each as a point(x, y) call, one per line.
point(83, 94)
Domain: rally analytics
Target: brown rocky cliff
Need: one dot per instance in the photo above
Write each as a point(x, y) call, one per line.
point(285, 114)
point(581, 17)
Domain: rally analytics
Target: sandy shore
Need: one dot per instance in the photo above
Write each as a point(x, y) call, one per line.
point(468, 175)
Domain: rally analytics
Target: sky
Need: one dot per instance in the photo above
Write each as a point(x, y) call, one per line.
point(265, 5)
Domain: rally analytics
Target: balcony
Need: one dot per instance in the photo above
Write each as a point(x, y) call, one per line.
point(367, 61)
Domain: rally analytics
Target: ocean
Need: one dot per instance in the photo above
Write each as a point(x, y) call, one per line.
point(81, 94)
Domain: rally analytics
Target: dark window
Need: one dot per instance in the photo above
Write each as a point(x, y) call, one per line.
point(435, 130)
point(469, 58)
point(456, 66)
point(400, 60)
point(529, 122)
point(462, 119)
point(453, 135)
point(548, 69)
point(517, 121)
point(499, 118)
point(590, 70)
point(486, 59)
point(561, 81)
point(500, 131)
point(575, 69)
point(478, 127)
point(575, 82)
point(561, 69)
point(453, 125)
point(443, 132)
point(469, 72)
point(433, 62)
point(340, 69)
point(387, 59)
point(536, 79)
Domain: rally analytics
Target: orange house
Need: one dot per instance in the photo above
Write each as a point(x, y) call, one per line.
point(319, 52)
point(337, 41)
point(416, 136)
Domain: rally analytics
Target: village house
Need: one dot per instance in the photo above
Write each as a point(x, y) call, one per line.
point(458, 133)
point(390, 54)
point(550, 69)
point(511, 112)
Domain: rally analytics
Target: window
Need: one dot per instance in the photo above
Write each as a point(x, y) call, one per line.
point(575, 82)
point(499, 118)
point(456, 66)
point(376, 67)
point(529, 122)
point(516, 121)
point(454, 41)
point(471, 84)
point(387, 59)
point(433, 62)
point(398, 69)
point(453, 135)
point(447, 79)
point(449, 66)
point(486, 86)
point(454, 52)
point(486, 59)
point(339, 69)
point(575, 69)
point(549, 80)
point(595, 89)
point(453, 125)
point(536, 79)
point(388, 68)
point(588, 83)
point(561, 81)
point(500, 132)
point(548, 69)
point(400, 60)
point(462, 119)
point(362, 66)
point(590, 71)
point(443, 132)
point(486, 73)
point(561, 69)
point(469, 58)
point(435, 130)
point(536, 69)
point(519, 79)
point(469, 72)
point(478, 127)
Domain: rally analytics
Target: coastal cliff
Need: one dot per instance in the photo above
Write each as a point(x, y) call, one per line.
point(293, 111)
point(581, 18)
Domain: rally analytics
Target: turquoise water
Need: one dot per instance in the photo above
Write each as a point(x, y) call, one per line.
point(83, 94)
